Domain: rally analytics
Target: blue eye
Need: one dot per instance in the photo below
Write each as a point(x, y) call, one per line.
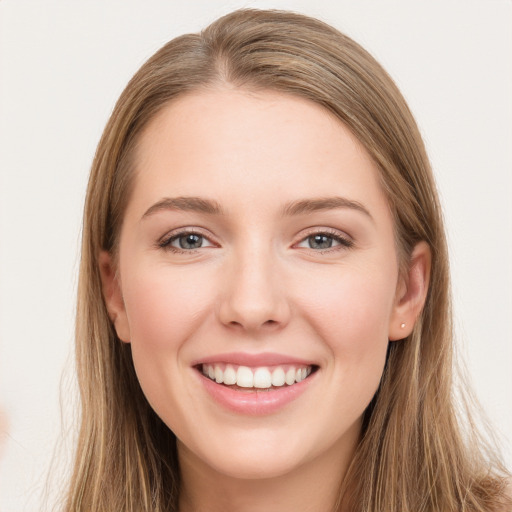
point(324, 241)
point(186, 241)
point(189, 241)
point(320, 241)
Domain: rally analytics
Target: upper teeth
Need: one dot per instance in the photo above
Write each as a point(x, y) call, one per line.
point(262, 377)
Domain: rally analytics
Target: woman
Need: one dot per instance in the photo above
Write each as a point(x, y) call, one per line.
point(264, 311)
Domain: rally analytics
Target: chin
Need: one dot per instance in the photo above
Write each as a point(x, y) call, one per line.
point(247, 459)
point(261, 468)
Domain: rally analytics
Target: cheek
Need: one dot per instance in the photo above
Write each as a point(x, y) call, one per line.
point(351, 312)
point(164, 306)
point(350, 305)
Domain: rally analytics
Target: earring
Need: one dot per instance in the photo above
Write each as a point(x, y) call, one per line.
point(402, 325)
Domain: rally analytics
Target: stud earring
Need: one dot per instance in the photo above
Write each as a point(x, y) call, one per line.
point(402, 325)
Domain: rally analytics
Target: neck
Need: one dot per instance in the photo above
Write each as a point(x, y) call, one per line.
point(312, 487)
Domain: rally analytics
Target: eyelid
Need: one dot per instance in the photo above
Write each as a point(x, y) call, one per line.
point(345, 241)
point(165, 241)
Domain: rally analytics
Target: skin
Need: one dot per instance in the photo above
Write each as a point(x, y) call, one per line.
point(257, 285)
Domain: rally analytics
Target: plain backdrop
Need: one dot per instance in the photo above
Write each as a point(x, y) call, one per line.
point(62, 66)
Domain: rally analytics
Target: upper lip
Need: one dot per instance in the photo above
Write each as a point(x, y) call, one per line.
point(253, 360)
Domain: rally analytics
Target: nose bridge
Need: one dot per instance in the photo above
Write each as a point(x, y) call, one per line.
point(253, 294)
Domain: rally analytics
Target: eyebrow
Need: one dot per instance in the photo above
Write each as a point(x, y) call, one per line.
point(323, 203)
point(187, 204)
point(299, 207)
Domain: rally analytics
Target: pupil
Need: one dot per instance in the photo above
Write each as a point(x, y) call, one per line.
point(191, 241)
point(320, 242)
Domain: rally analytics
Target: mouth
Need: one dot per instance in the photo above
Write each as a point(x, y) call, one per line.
point(256, 379)
point(257, 384)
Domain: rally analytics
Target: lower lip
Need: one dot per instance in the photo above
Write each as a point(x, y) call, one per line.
point(255, 403)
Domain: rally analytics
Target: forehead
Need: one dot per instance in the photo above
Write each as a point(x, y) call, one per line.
point(240, 146)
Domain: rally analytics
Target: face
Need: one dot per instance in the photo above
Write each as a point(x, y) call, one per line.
point(257, 280)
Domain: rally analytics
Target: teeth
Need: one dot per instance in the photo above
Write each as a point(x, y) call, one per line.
point(229, 375)
point(278, 377)
point(260, 378)
point(244, 377)
point(290, 376)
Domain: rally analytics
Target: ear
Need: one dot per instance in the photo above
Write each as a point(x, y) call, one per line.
point(411, 293)
point(113, 296)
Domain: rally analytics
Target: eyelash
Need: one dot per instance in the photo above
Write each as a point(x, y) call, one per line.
point(344, 243)
point(166, 242)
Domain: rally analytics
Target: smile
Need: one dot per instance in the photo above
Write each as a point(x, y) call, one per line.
point(256, 384)
point(256, 378)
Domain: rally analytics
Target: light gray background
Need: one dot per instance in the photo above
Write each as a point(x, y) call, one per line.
point(63, 65)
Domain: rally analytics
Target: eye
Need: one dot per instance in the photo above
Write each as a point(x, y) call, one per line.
point(324, 241)
point(186, 241)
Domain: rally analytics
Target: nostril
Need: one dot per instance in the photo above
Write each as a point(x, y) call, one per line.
point(254, 311)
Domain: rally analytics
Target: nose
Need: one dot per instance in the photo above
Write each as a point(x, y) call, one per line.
point(253, 295)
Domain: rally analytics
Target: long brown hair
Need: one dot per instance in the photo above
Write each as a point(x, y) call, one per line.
point(413, 455)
